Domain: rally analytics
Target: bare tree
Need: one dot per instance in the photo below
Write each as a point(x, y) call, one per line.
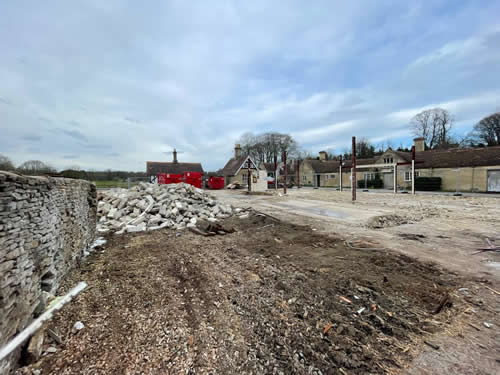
point(487, 131)
point(35, 167)
point(6, 164)
point(364, 150)
point(434, 125)
point(264, 147)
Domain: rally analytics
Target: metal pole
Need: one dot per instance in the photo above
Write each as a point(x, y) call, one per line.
point(284, 166)
point(340, 172)
point(413, 169)
point(353, 169)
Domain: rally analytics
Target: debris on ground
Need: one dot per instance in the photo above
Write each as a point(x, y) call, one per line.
point(78, 326)
point(156, 206)
point(248, 304)
point(235, 185)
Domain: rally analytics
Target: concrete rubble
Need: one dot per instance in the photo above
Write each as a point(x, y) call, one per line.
point(151, 206)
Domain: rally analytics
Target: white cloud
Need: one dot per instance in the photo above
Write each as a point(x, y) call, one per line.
point(139, 79)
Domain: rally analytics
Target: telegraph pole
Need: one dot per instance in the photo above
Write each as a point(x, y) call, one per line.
point(249, 179)
point(284, 166)
point(298, 174)
point(340, 172)
point(353, 169)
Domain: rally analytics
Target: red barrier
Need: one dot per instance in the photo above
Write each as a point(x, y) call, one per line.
point(193, 178)
point(216, 182)
point(169, 178)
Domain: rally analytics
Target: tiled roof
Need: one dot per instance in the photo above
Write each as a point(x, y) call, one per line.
point(324, 166)
point(459, 157)
point(233, 165)
point(155, 167)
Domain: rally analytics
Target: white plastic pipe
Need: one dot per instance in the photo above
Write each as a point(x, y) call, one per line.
point(38, 322)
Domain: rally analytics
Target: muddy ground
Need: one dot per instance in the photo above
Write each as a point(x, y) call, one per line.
point(272, 298)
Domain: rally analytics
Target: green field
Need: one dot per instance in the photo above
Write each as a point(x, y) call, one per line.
point(113, 184)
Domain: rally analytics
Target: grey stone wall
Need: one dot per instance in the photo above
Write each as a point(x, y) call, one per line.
point(45, 225)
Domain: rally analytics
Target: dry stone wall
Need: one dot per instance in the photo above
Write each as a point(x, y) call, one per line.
point(45, 226)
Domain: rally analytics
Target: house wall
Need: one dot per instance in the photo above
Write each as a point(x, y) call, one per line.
point(471, 179)
point(45, 226)
point(239, 176)
point(307, 171)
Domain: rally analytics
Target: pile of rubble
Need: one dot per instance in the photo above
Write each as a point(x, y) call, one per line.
point(150, 206)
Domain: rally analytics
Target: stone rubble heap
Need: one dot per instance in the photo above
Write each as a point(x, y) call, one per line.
point(151, 206)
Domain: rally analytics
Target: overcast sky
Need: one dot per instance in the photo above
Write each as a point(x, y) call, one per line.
point(111, 84)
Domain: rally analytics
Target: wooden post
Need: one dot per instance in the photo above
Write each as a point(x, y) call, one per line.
point(298, 174)
point(249, 178)
point(275, 172)
point(353, 169)
point(284, 166)
point(413, 169)
point(395, 178)
point(340, 172)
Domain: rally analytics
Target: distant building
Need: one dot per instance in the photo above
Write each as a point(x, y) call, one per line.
point(153, 168)
point(236, 170)
point(465, 169)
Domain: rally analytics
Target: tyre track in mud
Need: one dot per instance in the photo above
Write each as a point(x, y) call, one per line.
point(255, 301)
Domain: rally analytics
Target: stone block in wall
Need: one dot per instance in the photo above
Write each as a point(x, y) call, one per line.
point(45, 225)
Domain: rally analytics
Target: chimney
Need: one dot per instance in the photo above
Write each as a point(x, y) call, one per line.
point(322, 155)
point(175, 155)
point(419, 144)
point(237, 151)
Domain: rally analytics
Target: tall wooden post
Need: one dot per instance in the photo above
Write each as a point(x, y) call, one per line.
point(298, 174)
point(249, 177)
point(340, 172)
point(395, 178)
point(353, 169)
point(284, 166)
point(275, 172)
point(413, 169)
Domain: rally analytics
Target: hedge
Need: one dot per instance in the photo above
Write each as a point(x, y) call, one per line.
point(428, 183)
point(377, 183)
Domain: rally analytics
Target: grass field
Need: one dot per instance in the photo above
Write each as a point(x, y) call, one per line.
point(113, 184)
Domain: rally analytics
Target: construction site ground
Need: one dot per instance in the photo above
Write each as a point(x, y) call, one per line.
point(321, 286)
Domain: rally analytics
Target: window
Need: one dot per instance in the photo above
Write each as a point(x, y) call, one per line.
point(388, 160)
point(369, 176)
point(270, 174)
point(408, 175)
point(244, 178)
point(325, 177)
point(332, 176)
point(304, 178)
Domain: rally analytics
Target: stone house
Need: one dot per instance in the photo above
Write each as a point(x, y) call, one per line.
point(236, 170)
point(153, 168)
point(291, 172)
point(469, 169)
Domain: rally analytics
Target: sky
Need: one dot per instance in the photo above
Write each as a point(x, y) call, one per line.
point(111, 84)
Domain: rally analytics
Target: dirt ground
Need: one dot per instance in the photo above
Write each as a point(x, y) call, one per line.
point(328, 288)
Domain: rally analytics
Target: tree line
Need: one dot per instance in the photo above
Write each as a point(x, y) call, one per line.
point(39, 168)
